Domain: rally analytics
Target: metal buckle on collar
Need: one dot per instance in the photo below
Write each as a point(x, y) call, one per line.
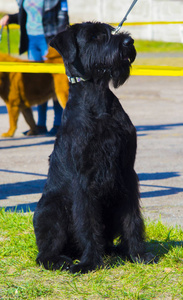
point(76, 79)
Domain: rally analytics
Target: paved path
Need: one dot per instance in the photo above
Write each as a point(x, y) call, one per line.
point(155, 105)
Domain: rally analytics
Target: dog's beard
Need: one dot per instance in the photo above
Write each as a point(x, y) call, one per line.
point(109, 63)
point(120, 69)
point(118, 75)
point(116, 72)
point(121, 74)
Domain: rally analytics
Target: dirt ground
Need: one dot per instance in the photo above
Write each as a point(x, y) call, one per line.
point(155, 105)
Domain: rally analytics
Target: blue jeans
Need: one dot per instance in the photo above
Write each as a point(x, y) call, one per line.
point(37, 50)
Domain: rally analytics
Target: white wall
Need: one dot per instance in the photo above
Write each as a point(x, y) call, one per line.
point(113, 11)
point(9, 6)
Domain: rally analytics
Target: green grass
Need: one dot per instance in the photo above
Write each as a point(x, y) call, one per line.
point(21, 278)
point(157, 47)
point(14, 38)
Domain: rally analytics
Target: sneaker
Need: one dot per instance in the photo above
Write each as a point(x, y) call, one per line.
point(41, 130)
point(53, 131)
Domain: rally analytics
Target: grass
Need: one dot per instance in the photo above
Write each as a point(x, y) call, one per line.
point(157, 47)
point(21, 278)
point(14, 38)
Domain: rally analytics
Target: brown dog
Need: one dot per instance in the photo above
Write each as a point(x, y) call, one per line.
point(20, 91)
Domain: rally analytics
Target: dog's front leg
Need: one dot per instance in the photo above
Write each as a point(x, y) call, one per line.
point(133, 225)
point(28, 115)
point(88, 233)
point(13, 112)
point(133, 230)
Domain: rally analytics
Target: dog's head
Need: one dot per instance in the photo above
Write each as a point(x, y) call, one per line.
point(91, 51)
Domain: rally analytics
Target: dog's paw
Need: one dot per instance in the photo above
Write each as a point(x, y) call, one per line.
point(30, 132)
point(84, 267)
point(80, 268)
point(64, 263)
point(7, 134)
point(61, 262)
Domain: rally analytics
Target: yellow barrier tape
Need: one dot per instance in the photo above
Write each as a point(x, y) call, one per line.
point(30, 67)
point(156, 71)
point(149, 23)
point(14, 26)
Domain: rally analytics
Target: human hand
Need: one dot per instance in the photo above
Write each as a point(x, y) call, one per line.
point(4, 21)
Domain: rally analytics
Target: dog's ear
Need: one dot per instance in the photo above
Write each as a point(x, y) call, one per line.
point(64, 42)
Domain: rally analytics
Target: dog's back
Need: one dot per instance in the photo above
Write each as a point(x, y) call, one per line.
point(23, 90)
point(28, 88)
point(7, 57)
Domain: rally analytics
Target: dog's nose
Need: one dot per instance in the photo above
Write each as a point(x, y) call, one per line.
point(128, 41)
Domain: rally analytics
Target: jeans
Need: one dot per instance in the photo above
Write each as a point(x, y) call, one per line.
point(38, 47)
point(37, 50)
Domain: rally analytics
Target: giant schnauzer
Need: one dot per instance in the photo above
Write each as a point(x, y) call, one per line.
point(91, 195)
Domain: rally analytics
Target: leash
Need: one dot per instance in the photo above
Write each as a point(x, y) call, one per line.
point(1, 31)
point(8, 36)
point(125, 18)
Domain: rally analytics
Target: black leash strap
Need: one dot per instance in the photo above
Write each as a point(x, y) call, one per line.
point(1, 32)
point(8, 39)
point(8, 36)
point(125, 17)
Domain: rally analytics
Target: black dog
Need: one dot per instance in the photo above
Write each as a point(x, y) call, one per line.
point(91, 195)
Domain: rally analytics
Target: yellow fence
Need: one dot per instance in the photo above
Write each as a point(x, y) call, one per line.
point(29, 67)
point(13, 26)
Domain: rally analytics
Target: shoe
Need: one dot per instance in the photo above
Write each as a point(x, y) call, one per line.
point(40, 130)
point(53, 131)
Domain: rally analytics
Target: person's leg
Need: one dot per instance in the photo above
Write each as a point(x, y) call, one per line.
point(35, 46)
point(37, 50)
point(42, 108)
point(57, 117)
point(58, 113)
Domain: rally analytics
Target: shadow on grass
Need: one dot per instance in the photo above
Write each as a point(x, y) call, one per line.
point(158, 248)
point(24, 208)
